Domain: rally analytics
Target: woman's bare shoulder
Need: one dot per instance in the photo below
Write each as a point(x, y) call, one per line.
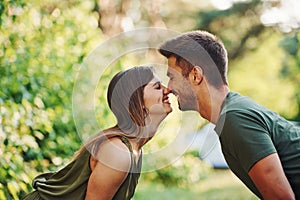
point(115, 154)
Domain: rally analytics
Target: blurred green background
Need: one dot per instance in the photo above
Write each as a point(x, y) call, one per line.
point(43, 43)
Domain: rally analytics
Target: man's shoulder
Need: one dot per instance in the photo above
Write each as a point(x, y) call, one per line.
point(243, 104)
point(238, 110)
point(236, 101)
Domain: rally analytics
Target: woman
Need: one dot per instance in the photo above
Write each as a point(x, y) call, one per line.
point(108, 166)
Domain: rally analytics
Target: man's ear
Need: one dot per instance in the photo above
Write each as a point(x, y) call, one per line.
point(196, 75)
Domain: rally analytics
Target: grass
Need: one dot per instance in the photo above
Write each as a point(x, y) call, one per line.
point(219, 185)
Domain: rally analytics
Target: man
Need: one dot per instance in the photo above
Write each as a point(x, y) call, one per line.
point(260, 147)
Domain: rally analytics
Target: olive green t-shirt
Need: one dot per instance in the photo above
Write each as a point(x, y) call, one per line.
point(249, 132)
point(70, 183)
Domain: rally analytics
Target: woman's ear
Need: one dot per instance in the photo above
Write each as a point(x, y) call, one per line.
point(196, 75)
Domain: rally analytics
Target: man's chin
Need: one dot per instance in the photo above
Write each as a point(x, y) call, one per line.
point(185, 107)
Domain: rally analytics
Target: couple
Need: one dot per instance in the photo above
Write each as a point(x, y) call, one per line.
point(260, 147)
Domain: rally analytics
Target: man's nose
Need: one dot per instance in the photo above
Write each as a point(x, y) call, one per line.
point(169, 86)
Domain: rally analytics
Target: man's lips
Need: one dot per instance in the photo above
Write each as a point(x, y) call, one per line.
point(176, 95)
point(173, 92)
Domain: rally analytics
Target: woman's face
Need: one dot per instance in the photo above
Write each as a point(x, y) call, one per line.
point(156, 98)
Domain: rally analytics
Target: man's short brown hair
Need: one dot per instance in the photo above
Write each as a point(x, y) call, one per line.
point(199, 48)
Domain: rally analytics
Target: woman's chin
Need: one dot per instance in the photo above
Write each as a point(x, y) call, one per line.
point(160, 110)
point(160, 116)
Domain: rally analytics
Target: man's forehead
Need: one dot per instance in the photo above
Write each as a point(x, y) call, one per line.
point(173, 70)
point(172, 61)
point(173, 65)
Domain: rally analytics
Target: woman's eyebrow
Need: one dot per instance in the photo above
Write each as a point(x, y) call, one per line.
point(157, 82)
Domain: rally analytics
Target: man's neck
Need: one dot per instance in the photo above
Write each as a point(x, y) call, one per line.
point(216, 98)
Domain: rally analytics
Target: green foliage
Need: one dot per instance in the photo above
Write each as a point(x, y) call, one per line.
point(258, 75)
point(219, 184)
point(290, 44)
point(291, 64)
point(239, 27)
point(187, 170)
point(41, 48)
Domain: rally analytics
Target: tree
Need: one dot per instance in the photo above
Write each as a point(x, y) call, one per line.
point(291, 64)
point(42, 45)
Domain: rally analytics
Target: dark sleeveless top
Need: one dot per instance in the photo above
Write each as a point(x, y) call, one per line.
point(70, 183)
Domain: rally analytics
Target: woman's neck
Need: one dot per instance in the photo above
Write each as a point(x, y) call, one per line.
point(147, 132)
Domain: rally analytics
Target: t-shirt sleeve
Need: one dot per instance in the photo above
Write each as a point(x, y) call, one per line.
point(246, 138)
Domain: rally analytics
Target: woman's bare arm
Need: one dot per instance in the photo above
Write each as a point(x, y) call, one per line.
point(109, 171)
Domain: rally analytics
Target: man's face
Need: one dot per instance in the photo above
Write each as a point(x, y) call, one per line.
point(181, 86)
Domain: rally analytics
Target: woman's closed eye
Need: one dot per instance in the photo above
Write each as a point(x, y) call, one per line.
point(157, 86)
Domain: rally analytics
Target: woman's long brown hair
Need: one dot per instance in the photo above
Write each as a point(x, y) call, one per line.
point(125, 98)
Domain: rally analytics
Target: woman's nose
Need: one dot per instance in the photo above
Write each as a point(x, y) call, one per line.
point(166, 90)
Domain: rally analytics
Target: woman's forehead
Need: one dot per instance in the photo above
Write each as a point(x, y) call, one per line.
point(155, 79)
